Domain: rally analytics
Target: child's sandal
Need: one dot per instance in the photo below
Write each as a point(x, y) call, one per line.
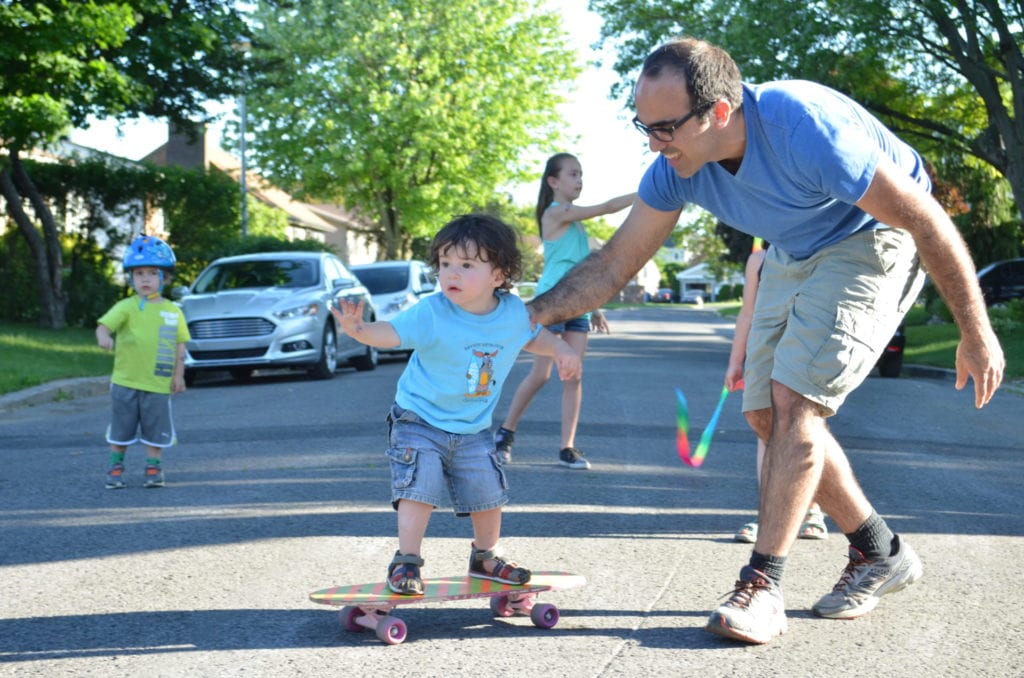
point(814, 526)
point(404, 574)
point(503, 571)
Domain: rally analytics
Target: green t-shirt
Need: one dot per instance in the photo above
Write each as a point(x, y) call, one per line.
point(146, 342)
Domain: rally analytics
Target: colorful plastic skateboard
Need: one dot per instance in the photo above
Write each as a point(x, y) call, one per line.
point(370, 605)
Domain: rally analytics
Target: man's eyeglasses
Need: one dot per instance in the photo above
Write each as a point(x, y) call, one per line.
point(665, 132)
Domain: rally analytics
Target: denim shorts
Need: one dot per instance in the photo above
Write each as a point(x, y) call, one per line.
point(581, 324)
point(427, 464)
point(821, 323)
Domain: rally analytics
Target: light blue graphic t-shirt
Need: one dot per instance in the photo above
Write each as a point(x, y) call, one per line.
point(460, 360)
point(810, 153)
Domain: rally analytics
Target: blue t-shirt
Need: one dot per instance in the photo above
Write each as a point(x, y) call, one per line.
point(811, 153)
point(460, 361)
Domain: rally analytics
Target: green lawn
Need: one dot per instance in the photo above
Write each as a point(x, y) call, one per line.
point(30, 356)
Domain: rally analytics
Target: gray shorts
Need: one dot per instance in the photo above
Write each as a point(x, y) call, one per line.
point(821, 323)
point(427, 464)
point(140, 417)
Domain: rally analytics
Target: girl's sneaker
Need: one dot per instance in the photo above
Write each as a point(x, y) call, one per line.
point(573, 458)
point(115, 477)
point(154, 477)
point(503, 571)
point(503, 439)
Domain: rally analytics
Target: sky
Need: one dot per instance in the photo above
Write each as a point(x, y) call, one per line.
point(612, 153)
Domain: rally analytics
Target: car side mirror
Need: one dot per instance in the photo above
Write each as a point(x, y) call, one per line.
point(343, 283)
point(179, 292)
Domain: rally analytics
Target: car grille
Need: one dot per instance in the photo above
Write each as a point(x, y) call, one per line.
point(228, 355)
point(230, 328)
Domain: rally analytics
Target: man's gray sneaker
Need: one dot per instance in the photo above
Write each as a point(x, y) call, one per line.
point(573, 458)
point(754, 613)
point(864, 581)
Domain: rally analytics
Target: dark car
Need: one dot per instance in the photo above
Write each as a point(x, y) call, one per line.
point(890, 363)
point(663, 296)
point(1002, 281)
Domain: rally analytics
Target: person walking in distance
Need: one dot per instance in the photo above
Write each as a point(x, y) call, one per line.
point(565, 245)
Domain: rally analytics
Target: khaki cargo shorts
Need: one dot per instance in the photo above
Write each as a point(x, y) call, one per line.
point(821, 323)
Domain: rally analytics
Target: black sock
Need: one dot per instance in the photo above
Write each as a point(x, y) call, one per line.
point(873, 539)
point(770, 566)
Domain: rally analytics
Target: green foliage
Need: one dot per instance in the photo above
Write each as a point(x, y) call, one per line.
point(18, 301)
point(943, 75)
point(372, 104)
point(668, 275)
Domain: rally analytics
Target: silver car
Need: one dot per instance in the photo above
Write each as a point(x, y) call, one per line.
point(273, 310)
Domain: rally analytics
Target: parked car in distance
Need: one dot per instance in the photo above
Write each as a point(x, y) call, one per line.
point(890, 363)
point(692, 297)
point(1002, 281)
point(395, 285)
point(272, 309)
point(663, 296)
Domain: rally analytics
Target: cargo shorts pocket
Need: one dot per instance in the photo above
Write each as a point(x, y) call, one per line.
point(403, 466)
point(499, 466)
point(848, 354)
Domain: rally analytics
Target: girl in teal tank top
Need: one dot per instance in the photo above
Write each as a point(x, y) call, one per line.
point(565, 245)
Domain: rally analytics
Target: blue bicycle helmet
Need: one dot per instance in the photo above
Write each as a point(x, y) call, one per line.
point(147, 250)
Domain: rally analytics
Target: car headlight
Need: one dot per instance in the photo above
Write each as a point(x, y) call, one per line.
point(298, 311)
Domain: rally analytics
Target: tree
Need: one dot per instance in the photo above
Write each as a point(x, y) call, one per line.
point(407, 111)
point(64, 61)
point(947, 75)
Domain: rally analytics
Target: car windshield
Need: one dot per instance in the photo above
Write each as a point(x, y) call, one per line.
point(237, 275)
point(384, 279)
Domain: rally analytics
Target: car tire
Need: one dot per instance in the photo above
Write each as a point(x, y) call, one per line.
point(368, 361)
point(890, 365)
point(327, 365)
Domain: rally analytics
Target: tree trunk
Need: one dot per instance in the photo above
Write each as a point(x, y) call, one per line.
point(47, 261)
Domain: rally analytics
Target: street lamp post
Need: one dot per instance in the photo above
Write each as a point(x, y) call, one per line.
point(242, 179)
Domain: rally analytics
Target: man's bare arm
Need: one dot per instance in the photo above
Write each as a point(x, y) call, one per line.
point(601, 275)
point(895, 200)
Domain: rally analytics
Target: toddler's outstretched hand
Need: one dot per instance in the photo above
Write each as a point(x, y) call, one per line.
point(569, 364)
point(349, 316)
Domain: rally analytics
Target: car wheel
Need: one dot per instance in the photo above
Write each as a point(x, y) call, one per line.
point(326, 366)
point(368, 361)
point(890, 364)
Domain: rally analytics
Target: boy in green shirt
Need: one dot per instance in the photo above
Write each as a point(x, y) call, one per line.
point(149, 357)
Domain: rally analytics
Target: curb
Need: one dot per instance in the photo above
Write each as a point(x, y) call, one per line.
point(62, 389)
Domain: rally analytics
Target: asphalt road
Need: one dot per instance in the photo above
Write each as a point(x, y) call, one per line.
point(279, 487)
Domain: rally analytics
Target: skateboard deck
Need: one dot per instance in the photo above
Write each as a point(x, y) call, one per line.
point(368, 606)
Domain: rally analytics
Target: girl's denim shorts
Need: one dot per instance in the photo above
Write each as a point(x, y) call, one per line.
point(580, 324)
point(427, 464)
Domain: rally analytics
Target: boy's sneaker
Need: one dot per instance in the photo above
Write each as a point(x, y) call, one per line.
point(154, 477)
point(503, 571)
point(503, 439)
point(754, 613)
point(404, 574)
point(573, 458)
point(115, 477)
point(864, 581)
